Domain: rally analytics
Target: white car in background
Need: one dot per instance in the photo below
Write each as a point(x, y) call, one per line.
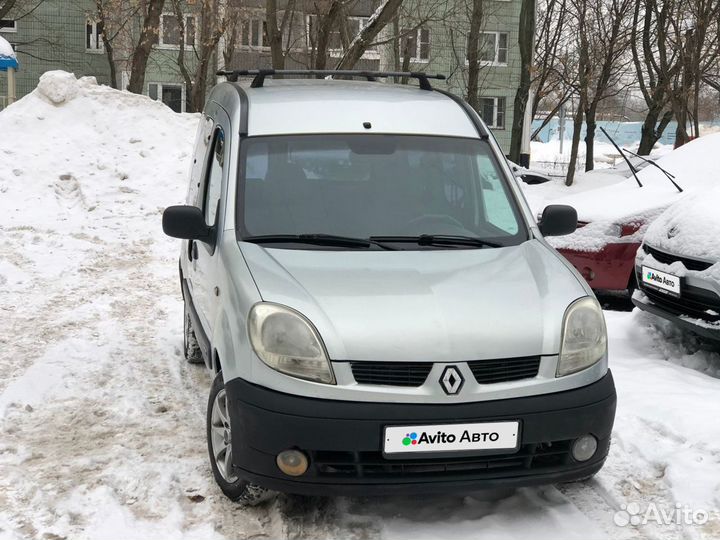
point(678, 265)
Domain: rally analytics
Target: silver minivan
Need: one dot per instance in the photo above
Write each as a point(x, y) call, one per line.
point(382, 313)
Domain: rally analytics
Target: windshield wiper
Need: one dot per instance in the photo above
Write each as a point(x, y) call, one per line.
point(633, 170)
point(439, 240)
point(669, 176)
point(317, 239)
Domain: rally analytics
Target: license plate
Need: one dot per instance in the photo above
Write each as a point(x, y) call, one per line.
point(451, 437)
point(661, 280)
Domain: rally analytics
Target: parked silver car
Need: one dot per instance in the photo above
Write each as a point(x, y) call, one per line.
point(381, 310)
point(678, 265)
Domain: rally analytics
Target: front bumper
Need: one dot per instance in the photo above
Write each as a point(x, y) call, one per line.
point(672, 311)
point(343, 441)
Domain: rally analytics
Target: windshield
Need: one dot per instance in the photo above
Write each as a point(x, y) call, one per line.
point(364, 186)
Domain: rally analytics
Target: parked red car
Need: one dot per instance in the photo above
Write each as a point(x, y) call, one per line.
point(611, 268)
point(615, 210)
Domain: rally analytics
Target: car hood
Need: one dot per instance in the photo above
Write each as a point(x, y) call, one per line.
point(689, 228)
point(429, 305)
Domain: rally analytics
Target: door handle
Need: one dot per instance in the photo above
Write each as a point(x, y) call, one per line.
point(194, 252)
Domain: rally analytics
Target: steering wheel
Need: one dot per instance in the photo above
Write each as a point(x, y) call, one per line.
point(436, 218)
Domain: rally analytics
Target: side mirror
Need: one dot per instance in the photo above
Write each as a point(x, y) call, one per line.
point(186, 222)
point(558, 220)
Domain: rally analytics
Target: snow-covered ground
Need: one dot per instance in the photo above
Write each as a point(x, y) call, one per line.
point(102, 421)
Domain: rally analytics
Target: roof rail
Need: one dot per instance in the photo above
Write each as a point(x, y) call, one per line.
point(260, 74)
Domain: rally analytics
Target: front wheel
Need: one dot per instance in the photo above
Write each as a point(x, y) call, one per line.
point(219, 437)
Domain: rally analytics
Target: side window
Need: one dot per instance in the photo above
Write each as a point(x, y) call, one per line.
point(213, 185)
point(498, 211)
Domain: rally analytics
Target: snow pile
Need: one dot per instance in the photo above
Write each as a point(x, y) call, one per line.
point(60, 86)
point(690, 227)
point(91, 418)
point(78, 153)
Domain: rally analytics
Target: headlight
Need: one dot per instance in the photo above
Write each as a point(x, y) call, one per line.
point(584, 337)
point(287, 342)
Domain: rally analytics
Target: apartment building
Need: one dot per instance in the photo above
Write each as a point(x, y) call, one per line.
point(429, 35)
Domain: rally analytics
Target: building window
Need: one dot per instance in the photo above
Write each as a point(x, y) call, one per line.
point(492, 111)
point(335, 46)
point(417, 43)
point(8, 25)
point(494, 48)
point(93, 36)
point(253, 32)
point(170, 31)
point(172, 95)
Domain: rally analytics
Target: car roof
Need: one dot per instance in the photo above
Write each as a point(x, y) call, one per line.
point(298, 106)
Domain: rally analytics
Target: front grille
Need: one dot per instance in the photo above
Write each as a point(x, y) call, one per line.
point(666, 258)
point(530, 457)
point(391, 373)
point(504, 370)
point(415, 374)
point(693, 302)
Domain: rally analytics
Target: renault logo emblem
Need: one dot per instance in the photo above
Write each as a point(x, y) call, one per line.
point(451, 380)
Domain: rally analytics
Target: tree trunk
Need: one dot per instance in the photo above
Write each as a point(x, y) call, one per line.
point(525, 41)
point(274, 35)
point(396, 46)
point(179, 14)
point(649, 133)
point(383, 15)
point(212, 28)
point(107, 43)
point(473, 55)
point(148, 36)
point(591, 126)
point(109, 53)
point(326, 23)
point(577, 128)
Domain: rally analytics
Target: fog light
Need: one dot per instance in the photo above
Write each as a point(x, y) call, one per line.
point(292, 462)
point(584, 448)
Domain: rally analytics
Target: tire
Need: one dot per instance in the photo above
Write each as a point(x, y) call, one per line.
point(191, 348)
point(219, 440)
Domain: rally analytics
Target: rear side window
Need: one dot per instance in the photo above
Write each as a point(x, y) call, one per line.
point(213, 186)
point(203, 136)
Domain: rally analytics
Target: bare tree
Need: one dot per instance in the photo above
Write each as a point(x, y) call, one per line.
point(382, 16)
point(213, 23)
point(526, 37)
point(583, 73)
point(277, 27)
point(608, 40)
point(473, 54)
point(555, 70)
point(114, 19)
point(152, 9)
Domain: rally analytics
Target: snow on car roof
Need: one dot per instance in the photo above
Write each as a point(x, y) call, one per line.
point(694, 166)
